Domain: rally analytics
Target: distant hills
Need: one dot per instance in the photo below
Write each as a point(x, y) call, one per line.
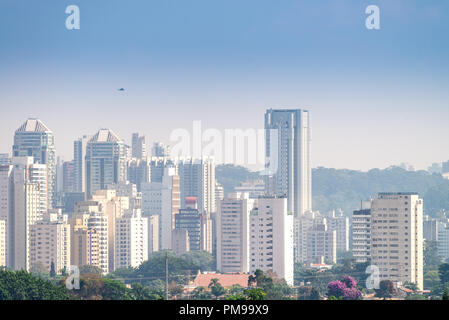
point(344, 189)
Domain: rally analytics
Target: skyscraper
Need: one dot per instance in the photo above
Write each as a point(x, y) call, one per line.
point(139, 146)
point(271, 237)
point(162, 199)
point(197, 179)
point(288, 150)
point(106, 161)
point(233, 232)
point(34, 139)
point(361, 233)
point(131, 239)
point(397, 237)
point(79, 164)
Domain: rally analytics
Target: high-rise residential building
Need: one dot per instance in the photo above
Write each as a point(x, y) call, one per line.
point(153, 233)
point(163, 199)
point(2, 243)
point(68, 176)
point(321, 244)
point(197, 179)
point(97, 225)
point(233, 240)
point(106, 161)
point(50, 243)
point(289, 174)
point(430, 228)
point(139, 146)
point(160, 150)
point(271, 237)
point(131, 236)
point(180, 241)
point(28, 202)
point(302, 225)
point(340, 223)
point(361, 233)
point(443, 242)
point(79, 163)
point(397, 237)
point(113, 207)
point(34, 139)
point(139, 172)
point(6, 206)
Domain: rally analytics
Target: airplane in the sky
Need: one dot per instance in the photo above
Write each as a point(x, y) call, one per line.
point(121, 89)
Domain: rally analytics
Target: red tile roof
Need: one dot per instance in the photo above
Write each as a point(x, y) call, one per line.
point(226, 280)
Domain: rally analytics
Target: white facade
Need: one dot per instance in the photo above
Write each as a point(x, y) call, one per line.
point(50, 243)
point(338, 222)
point(361, 233)
point(131, 240)
point(98, 224)
point(162, 199)
point(197, 179)
point(397, 237)
point(271, 238)
point(2, 243)
point(302, 225)
point(6, 207)
point(153, 233)
point(288, 150)
point(232, 220)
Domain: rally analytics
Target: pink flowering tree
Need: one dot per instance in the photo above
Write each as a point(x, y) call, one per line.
point(346, 289)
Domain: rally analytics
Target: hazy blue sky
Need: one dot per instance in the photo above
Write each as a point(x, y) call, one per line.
point(376, 97)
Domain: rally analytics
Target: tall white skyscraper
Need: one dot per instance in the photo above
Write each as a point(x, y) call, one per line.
point(288, 154)
point(27, 206)
point(271, 237)
point(233, 237)
point(197, 179)
point(106, 161)
point(162, 199)
point(79, 164)
point(397, 237)
point(131, 239)
point(34, 139)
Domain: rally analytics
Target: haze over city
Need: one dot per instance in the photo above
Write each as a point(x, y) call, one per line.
point(373, 97)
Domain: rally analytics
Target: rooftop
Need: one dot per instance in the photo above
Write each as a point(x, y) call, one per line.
point(33, 125)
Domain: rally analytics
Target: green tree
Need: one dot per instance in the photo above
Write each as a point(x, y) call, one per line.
point(90, 270)
point(21, 285)
point(431, 257)
point(445, 295)
point(443, 272)
point(200, 293)
point(216, 288)
point(386, 289)
point(255, 294)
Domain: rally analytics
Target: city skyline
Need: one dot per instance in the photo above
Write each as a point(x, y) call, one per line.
point(389, 86)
